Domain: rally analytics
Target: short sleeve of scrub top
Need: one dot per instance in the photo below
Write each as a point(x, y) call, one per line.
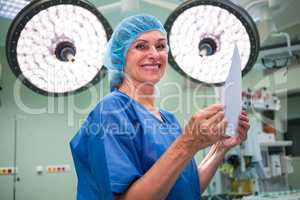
point(90, 163)
point(134, 139)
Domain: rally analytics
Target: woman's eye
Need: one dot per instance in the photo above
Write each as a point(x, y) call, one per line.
point(161, 46)
point(140, 46)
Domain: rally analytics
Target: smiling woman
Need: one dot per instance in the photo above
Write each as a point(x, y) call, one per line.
point(148, 155)
point(147, 58)
point(132, 41)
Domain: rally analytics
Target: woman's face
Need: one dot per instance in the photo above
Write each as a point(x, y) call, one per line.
point(147, 58)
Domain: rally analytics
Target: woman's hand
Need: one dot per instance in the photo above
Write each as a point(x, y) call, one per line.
point(242, 130)
point(205, 127)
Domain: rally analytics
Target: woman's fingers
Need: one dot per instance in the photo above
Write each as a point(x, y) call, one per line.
point(243, 130)
point(208, 125)
point(244, 113)
point(214, 115)
point(243, 118)
point(220, 128)
point(204, 120)
point(209, 111)
point(214, 120)
point(214, 107)
point(244, 124)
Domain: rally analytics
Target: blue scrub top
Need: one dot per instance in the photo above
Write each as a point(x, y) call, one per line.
point(134, 139)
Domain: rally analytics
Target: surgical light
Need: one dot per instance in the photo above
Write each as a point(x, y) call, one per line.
point(56, 46)
point(202, 35)
point(10, 8)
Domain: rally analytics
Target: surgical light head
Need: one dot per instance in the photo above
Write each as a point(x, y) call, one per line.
point(56, 47)
point(202, 35)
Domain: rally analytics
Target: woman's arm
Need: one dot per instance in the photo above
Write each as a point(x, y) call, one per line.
point(159, 179)
point(209, 165)
point(207, 168)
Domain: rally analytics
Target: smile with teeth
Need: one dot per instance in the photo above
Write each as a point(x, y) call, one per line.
point(151, 67)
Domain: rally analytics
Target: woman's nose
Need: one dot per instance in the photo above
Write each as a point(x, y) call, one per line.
point(153, 52)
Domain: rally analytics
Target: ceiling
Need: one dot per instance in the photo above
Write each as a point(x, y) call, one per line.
point(271, 16)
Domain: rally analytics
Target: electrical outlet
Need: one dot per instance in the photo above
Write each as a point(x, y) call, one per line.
point(5, 171)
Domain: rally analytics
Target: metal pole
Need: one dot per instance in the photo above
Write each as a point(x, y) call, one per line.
point(15, 156)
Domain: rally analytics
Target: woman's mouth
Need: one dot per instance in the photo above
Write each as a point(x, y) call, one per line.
point(151, 67)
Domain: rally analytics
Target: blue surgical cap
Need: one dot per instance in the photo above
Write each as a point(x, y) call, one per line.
point(122, 38)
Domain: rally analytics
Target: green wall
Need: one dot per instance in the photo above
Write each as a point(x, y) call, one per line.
point(42, 139)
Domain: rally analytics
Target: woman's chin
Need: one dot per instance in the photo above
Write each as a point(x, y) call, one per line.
point(151, 81)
